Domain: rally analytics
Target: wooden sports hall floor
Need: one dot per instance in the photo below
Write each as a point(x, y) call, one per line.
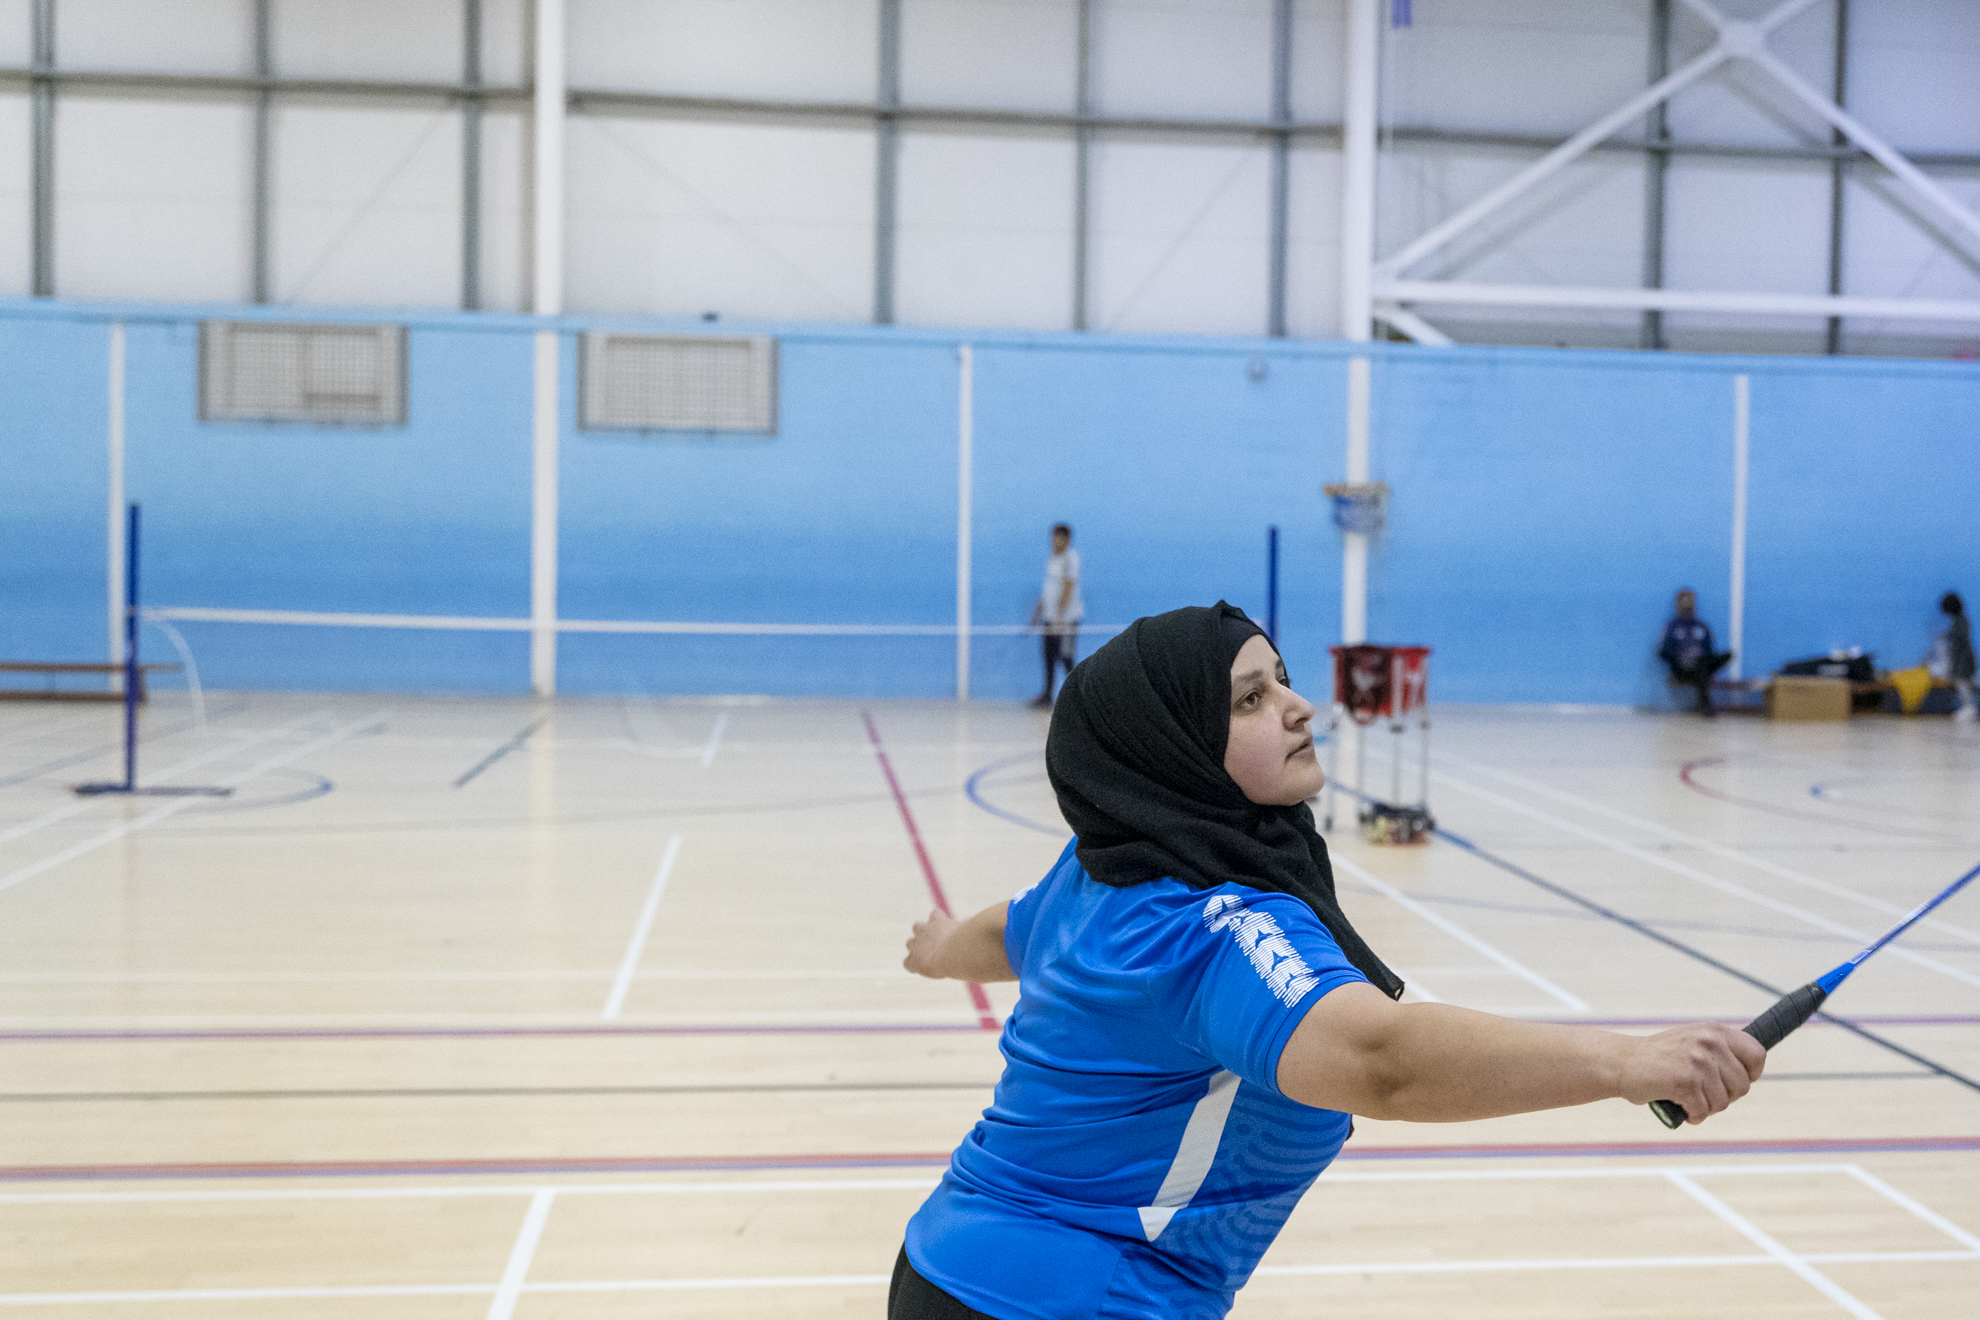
point(492, 1008)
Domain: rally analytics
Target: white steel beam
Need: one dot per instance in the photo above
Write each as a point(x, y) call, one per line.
point(546, 299)
point(1453, 293)
point(1736, 40)
point(1550, 164)
point(1358, 170)
point(1886, 155)
point(1419, 330)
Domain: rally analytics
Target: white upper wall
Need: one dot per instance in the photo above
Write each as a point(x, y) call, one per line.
point(757, 214)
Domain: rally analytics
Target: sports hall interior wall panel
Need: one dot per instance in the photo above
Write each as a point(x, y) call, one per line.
point(1010, 54)
point(1911, 72)
point(847, 515)
point(367, 206)
point(186, 36)
point(746, 220)
point(151, 200)
point(1862, 489)
point(1319, 65)
point(16, 198)
point(1180, 237)
point(1313, 262)
point(432, 517)
point(1169, 460)
point(418, 40)
point(984, 237)
point(54, 492)
point(1570, 60)
point(16, 32)
point(1210, 58)
point(1581, 227)
point(1545, 508)
point(796, 50)
point(1887, 253)
point(504, 213)
point(1719, 238)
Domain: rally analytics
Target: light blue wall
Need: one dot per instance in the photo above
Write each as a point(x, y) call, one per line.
point(1546, 505)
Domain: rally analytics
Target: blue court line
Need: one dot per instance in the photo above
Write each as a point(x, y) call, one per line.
point(1699, 955)
point(971, 791)
point(502, 751)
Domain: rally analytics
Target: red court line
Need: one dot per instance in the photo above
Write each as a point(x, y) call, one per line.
point(927, 1160)
point(986, 1016)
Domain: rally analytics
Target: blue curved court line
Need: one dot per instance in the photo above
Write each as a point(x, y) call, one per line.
point(321, 788)
point(972, 790)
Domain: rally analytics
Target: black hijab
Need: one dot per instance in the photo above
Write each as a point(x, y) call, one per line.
point(1136, 755)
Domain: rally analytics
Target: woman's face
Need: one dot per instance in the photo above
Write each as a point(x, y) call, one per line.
point(1270, 751)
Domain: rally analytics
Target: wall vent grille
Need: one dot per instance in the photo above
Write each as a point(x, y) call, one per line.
point(335, 375)
point(679, 383)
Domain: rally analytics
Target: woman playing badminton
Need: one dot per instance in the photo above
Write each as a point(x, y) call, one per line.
point(1198, 1019)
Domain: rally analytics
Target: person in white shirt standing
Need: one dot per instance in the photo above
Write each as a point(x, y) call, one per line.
point(1059, 610)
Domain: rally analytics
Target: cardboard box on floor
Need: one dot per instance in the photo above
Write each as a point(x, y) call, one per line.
point(1807, 698)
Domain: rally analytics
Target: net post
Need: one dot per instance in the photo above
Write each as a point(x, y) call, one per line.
point(1272, 583)
point(133, 676)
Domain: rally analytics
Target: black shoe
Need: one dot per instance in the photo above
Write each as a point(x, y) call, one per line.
point(1040, 703)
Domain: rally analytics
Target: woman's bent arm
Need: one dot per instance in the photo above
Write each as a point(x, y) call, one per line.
point(971, 950)
point(1358, 1051)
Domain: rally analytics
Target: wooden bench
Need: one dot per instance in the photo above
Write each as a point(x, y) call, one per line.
point(52, 668)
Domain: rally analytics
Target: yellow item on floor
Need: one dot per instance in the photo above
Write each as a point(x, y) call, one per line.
point(1911, 685)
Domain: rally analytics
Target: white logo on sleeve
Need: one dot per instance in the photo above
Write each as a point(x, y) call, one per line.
point(1278, 964)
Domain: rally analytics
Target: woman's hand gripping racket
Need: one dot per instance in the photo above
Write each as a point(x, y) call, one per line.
point(1797, 1006)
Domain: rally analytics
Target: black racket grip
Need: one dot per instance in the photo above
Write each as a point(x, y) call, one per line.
point(1770, 1029)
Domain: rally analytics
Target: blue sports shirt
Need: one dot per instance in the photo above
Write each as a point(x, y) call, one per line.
point(1138, 1158)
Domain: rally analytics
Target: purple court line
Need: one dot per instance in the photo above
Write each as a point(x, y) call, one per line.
point(467, 1033)
point(781, 1029)
point(928, 1160)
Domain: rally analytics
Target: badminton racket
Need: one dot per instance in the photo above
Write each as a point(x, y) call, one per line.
point(1797, 1006)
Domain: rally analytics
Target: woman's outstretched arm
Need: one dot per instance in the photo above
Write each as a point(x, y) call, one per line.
point(1358, 1051)
point(971, 950)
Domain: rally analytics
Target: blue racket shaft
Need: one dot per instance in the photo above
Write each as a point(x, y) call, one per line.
point(1797, 1006)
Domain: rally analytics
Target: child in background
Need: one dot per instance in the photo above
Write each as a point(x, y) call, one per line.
point(1957, 640)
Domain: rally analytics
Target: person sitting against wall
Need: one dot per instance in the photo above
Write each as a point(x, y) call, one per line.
point(1955, 645)
point(1687, 649)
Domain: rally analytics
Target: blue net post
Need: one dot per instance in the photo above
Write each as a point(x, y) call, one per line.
point(1272, 584)
point(132, 675)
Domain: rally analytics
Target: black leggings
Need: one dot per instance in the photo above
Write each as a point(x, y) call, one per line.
point(1059, 649)
point(911, 1297)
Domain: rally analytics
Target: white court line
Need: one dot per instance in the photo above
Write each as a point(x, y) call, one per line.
point(180, 804)
point(13, 832)
point(520, 1255)
point(1716, 849)
point(1930, 1216)
point(1828, 1287)
point(1462, 935)
point(715, 739)
point(1710, 881)
point(630, 964)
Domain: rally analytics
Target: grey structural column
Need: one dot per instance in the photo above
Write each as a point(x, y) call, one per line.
point(1082, 235)
point(1838, 175)
point(1282, 31)
point(264, 148)
point(471, 107)
point(887, 151)
point(1657, 164)
point(42, 98)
